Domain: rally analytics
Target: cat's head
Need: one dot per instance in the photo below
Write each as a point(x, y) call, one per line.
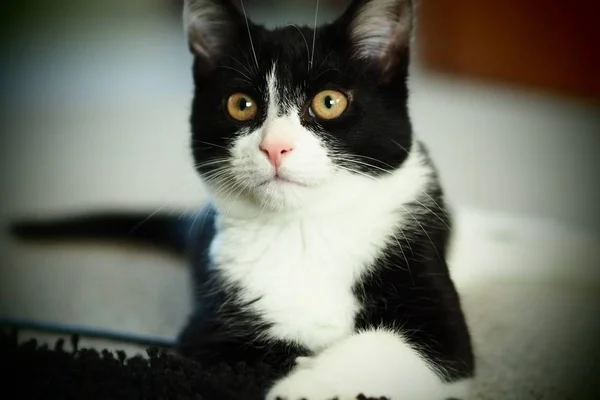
point(283, 118)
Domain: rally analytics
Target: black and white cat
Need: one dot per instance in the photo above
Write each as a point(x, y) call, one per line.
point(323, 248)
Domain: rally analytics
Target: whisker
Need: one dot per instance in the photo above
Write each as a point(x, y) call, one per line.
point(159, 209)
point(139, 224)
point(435, 203)
point(402, 147)
point(218, 175)
point(306, 43)
point(196, 215)
point(248, 79)
point(405, 209)
point(359, 173)
point(314, 35)
point(214, 173)
point(176, 209)
point(434, 213)
point(210, 144)
point(416, 200)
point(424, 231)
point(212, 161)
point(325, 59)
point(233, 189)
point(349, 160)
point(249, 60)
point(406, 239)
point(326, 71)
point(404, 256)
point(224, 188)
point(374, 159)
point(239, 192)
point(221, 179)
point(183, 214)
point(249, 34)
point(239, 63)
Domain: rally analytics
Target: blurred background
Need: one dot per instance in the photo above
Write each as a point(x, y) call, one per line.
point(506, 95)
point(94, 106)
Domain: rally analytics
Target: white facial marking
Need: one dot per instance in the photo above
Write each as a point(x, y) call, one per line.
point(301, 171)
point(273, 96)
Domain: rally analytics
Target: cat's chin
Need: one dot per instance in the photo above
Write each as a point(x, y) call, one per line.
point(281, 182)
point(281, 194)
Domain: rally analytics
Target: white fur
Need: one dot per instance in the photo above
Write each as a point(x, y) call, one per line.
point(375, 363)
point(296, 252)
point(378, 25)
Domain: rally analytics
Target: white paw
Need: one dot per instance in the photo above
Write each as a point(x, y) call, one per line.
point(304, 362)
point(305, 384)
point(302, 384)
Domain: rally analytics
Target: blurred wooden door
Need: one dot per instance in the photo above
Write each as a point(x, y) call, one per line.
point(552, 45)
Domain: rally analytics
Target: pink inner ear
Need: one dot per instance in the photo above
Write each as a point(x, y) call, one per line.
point(198, 45)
point(208, 25)
point(393, 49)
point(381, 28)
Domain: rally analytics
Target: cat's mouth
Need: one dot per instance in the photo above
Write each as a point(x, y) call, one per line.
point(278, 179)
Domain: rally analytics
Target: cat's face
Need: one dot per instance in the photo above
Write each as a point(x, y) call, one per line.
point(278, 119)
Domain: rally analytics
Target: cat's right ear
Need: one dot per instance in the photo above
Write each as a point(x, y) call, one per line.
point(209, 25)
point(380, 33)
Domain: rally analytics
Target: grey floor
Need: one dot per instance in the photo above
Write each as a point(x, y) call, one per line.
point(96, 113)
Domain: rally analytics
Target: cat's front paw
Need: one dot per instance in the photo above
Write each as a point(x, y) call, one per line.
point(302, 385)
point(307, 385)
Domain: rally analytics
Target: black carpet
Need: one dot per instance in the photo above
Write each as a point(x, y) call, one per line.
point(40, 371)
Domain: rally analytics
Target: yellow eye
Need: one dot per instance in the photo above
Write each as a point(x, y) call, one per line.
point(328, 104)
point(241, 107)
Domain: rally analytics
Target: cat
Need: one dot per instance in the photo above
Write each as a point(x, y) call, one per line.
point(323, 247)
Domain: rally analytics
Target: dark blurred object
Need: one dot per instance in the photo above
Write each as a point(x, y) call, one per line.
point(177, 4)
point(42, 372)
point(549, 45)
point(38, 371)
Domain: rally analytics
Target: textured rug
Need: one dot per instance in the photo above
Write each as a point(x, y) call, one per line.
point(39, 371)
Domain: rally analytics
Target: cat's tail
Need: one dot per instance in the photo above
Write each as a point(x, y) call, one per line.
point(167, 232)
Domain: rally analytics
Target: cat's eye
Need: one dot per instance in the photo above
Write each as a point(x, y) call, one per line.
point(241, 107)
point(328, 104)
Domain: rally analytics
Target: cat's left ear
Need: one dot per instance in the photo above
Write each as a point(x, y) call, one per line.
point(380, 32)
point(210, 25)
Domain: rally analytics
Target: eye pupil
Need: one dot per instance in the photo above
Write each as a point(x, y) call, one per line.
point(243, 104)
point(329, 101)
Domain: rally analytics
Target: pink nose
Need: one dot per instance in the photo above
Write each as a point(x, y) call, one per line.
point(276, 147)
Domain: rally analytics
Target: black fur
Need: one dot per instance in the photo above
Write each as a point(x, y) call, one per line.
point(158, 230)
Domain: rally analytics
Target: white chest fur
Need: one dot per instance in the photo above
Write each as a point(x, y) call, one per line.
point(302, 272)
point(298, 270)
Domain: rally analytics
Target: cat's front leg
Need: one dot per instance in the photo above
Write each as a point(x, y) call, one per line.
point(375, 363)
